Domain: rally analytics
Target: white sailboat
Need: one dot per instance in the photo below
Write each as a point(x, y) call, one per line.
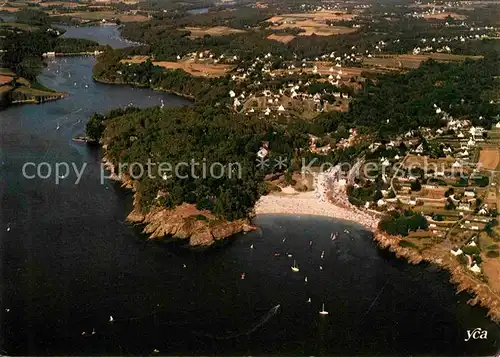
point(322, 254)
point(323, 311)
point(295, 268)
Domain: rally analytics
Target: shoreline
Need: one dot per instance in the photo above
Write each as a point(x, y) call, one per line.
point(182, 222)
point(481, 292)
point(137, 85)
point(307, 203)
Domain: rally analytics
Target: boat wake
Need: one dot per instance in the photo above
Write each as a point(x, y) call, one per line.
point(259, 323)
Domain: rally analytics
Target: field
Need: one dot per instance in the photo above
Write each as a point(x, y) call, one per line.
point(316, 16)
point(66, 4)
point(313, 23)
point(281, 38)
point(413, 61)
point(489, 159)
point(9, 9)
point(199, 69)
point(5, 79)
point(212, 31)
point(107, 15)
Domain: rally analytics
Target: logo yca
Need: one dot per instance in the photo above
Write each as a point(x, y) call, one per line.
point(477, 334)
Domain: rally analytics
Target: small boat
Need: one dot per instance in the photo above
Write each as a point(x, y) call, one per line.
point(310, 243)
point(320, 267)
point(333, 236)
point(284, 239)
point(295, 268)
point(289, 255)
point(251, 247)
point(58, 126)
point(277, 254)
point(305, 279)
point(346, 231)
point(93, 331)
point(309, 300)
point(323, 311)
point(8, 229)
point(111, 319)
point(322, 254)
point(242, 276)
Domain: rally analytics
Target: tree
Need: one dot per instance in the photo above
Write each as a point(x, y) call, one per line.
point(416, 185)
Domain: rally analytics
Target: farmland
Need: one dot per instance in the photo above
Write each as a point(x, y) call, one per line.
point(197, 32)
point(104, 15)
point(196, 68)
point(312, 23)
point(412, 61)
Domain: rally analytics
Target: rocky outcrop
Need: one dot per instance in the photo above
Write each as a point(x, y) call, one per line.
point(187, 222)
point(482, 293)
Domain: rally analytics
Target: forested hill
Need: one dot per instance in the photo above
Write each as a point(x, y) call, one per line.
point(207, 136)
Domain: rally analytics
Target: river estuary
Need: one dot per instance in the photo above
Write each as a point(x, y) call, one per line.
point(70, 261)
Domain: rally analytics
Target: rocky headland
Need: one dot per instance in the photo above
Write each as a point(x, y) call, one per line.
point(463, 279)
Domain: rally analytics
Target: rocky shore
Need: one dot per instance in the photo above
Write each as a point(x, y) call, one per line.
point(482, 294)
point(199, 227)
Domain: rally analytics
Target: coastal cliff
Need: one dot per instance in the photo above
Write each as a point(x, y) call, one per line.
point(199, 227)
point(483, 295)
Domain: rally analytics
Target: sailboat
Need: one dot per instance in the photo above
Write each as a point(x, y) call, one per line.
point(323, 311)
point(322, 254)
point(333, 236)
point(295, 268)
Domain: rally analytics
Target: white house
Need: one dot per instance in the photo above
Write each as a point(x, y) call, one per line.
point(475, 269)
point(456, 252)
point(281, 108)
point(262, 153)
point(456, 164)
point(232, 94)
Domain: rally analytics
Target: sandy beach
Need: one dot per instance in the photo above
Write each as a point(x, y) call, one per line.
point(318, 202)
point(307, 204)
